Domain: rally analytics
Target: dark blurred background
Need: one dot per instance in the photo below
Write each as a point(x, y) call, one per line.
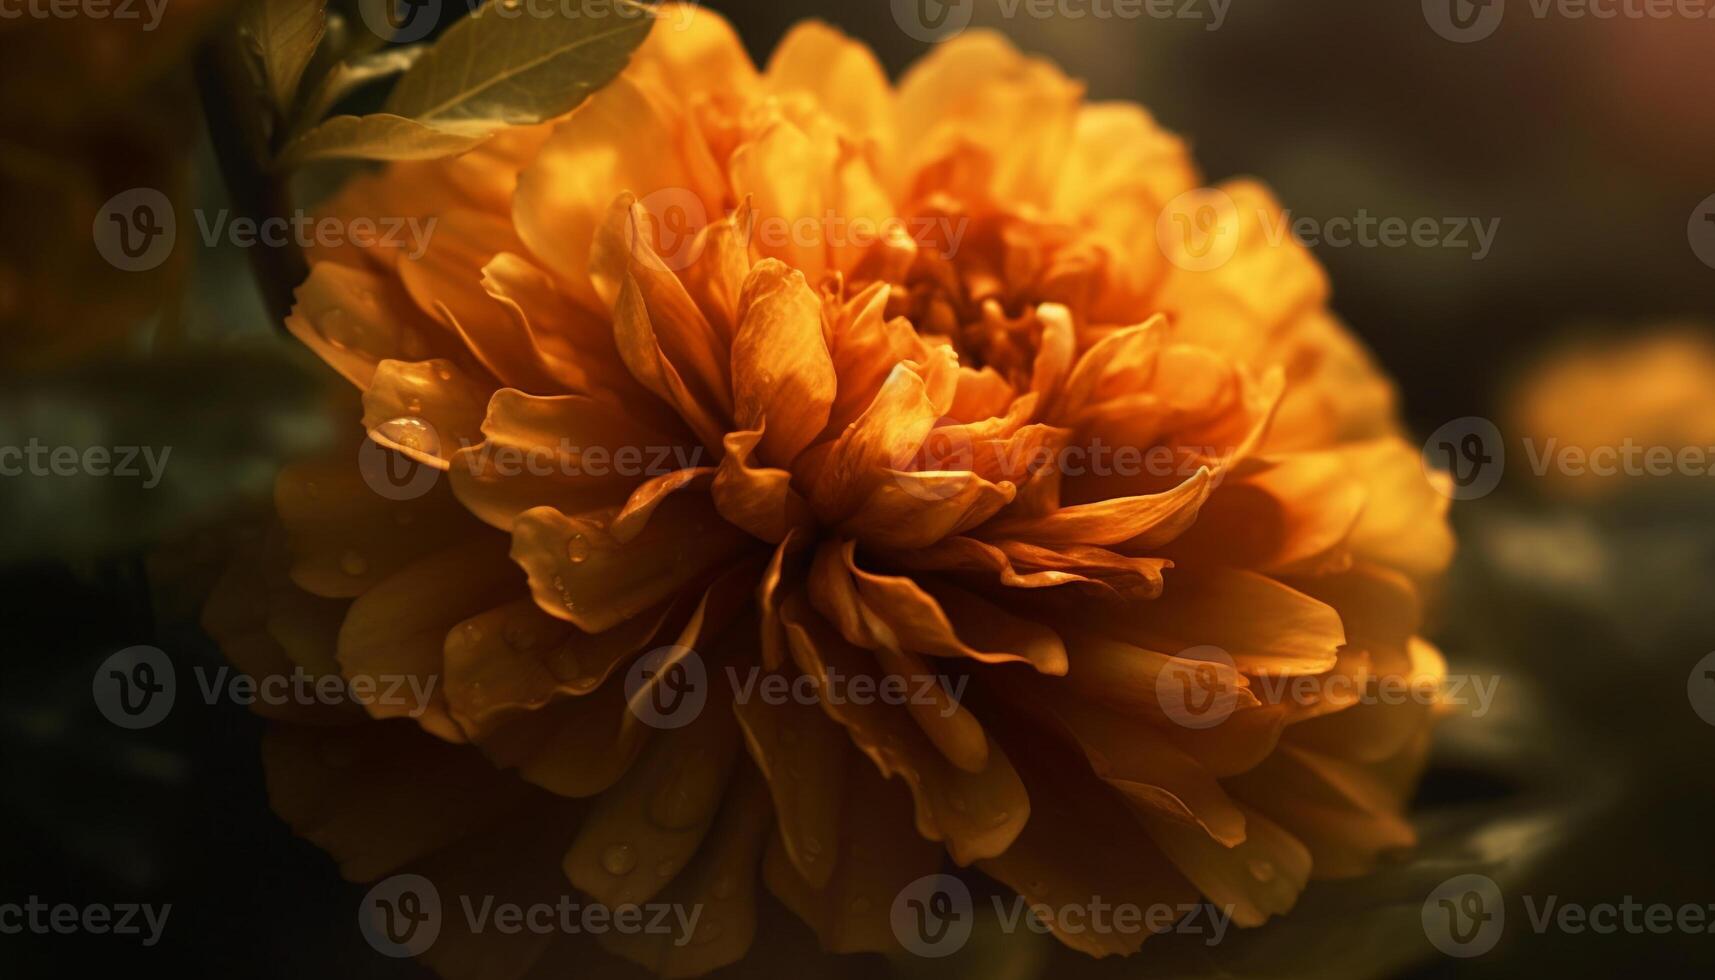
point(1590, 141)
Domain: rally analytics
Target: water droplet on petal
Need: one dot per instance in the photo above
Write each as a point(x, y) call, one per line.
point(521, 635)
point(332, 326)
point(618, 859)
point(577, 548)
point(1262, 870)
point(353, 564)
point(411, 433)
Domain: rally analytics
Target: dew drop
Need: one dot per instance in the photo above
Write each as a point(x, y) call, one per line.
point(577, 548)
point(353, 564)
point(331, 325)
point(411, 433)
point(1262, 870)
point(618, 859)
point(566, 665)
point(521, 636)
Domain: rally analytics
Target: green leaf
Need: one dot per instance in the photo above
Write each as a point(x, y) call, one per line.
point(283, 34)
point(348, 76)
point(382, 136)
point(501, 66)
point(505, 65)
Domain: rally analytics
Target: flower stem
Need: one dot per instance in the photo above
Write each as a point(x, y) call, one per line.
point(238, 128)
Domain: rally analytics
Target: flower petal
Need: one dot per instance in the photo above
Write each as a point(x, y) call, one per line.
point(395, 633)
point(978, 814)
point(781, 372)
point(581, 573)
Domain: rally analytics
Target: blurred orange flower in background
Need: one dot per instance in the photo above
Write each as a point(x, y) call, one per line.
point(1626, 408)
point(913, 382)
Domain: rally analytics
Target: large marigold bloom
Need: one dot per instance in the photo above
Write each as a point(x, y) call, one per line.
point(882, 332)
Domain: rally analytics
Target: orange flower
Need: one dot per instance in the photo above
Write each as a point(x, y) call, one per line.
point(873, 388)
point(1597, 416)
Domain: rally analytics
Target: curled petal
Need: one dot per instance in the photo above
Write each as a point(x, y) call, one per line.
point(581, 573)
